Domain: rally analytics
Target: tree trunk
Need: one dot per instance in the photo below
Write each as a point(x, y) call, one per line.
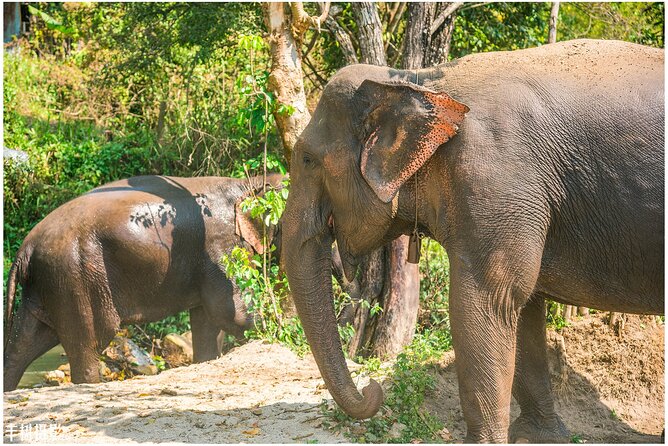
point(568, 312)
point(428, 34)
point(161, 121)
point(12, 20)
point(396, 327)
point(343, 39)
point(286, 78)
point(370, 33)
point(372, 280)
point(417, 37)
point(554, 13)
point(441, 36)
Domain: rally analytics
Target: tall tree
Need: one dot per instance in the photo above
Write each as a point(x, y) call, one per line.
point(418, 34)
point(441, 30)
point(428, 33)
point(341, 36)
point(370, 33)
point(554, 14)
point(286, 33)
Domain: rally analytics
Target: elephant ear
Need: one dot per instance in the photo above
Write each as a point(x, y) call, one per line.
point(248, 228)
point(403, 126)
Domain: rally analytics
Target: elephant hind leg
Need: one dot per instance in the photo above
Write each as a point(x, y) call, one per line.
point(29, 339)
point(83, 348)
point(538, 421)
point(84, 362)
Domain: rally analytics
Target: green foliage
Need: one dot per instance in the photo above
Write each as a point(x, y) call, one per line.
point(66, 158)
point(555, 316)
point(410, 378)
point(577, 439)
point(86, 105)
point(159, 362)
point(178, 323)
point(264, 296)
point(500, 26)
point(639, 22)
point(269, 206)
point(263, 286)
point(434, 287)
point(52, 23)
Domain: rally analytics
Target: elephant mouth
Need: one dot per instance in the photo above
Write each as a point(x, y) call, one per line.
point(349, 261)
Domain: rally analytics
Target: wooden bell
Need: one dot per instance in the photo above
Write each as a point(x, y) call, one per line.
point(414, 248)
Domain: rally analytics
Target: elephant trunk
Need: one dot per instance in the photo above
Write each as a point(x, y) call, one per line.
point(308, 267)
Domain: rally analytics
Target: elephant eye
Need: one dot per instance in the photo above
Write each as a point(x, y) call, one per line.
point(308, 160)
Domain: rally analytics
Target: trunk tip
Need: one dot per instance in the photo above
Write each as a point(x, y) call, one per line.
point(373, 398)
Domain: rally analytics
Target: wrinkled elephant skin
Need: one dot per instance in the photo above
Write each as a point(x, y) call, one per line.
point(129, 252)
point(540, 171)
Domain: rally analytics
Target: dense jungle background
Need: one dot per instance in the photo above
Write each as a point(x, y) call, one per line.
point(95, 92)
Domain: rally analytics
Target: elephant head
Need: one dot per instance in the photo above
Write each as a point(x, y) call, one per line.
point(371, 131)
point(251, 229)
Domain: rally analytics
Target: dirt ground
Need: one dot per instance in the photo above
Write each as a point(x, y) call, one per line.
point(609, 389)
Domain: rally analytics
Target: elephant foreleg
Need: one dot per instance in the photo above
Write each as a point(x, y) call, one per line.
point(484, 343)
point(205, 335)
point(538, 422)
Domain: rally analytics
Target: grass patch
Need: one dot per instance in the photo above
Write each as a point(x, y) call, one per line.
point(407, 381)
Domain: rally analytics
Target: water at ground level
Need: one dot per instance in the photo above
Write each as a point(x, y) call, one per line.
point(50, 360)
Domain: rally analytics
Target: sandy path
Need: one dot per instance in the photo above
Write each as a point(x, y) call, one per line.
point(609, 388)
point(257, 393)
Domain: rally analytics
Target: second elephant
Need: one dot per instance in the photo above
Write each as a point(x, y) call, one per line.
point(128, 252)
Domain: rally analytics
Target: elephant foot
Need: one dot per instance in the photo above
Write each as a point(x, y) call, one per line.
point(526, 429)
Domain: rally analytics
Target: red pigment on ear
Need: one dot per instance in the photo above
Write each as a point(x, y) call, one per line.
point(442, 125)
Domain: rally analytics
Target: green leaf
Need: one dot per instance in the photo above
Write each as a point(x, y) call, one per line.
point(51, 23)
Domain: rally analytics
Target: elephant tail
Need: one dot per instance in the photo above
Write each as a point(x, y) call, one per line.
point(18, 274)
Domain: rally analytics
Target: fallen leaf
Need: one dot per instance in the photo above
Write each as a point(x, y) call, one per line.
point(445, 434)
point(141, 395)
point(252, 432)
point(19, 399)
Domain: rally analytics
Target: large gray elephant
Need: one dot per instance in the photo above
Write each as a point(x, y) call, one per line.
point(540, 171)
point(128, 252)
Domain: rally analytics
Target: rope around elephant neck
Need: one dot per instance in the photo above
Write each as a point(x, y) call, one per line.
point(413, 255)
point(415, 227)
